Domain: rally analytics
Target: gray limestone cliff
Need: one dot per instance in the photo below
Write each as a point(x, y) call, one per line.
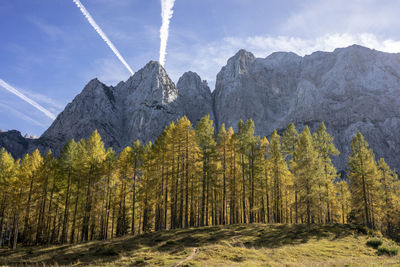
point(350, 89)
point(138, 108)
point(195, 100)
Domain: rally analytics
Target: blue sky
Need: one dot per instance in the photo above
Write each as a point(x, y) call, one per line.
point(49, 51)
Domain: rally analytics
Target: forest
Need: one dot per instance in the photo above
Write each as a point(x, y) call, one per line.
point(193, 177)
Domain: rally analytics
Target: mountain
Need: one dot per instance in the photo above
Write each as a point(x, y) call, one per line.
point(195, 99)
point(136, 109)
point(15, 143)
point(139, 108)
point(350, 89)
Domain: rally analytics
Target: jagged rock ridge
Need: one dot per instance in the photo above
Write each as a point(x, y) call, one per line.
point(139, 108)
point(136, 109)
point(350, 89)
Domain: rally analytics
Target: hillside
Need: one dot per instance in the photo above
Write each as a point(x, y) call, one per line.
point(233, 245)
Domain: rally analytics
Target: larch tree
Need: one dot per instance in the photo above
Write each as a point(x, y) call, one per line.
point(280, 178)
point(343, 197)
point(233, 165)
point(265, 181)
point(207, 145)
point(325, 148)
point(30, 167)
point(67, 165)
point(77, 185)
point(223, 151)
point(8, 189)
point(110, 166)
point(137, 158)
point(290, 138)
point(189, 178)
point(125, 174)
point(247, 143)
point(94, 167)
point(306, 170)
point(48, 171)
point(363, 175)
point(146, 193)
point(391, 195)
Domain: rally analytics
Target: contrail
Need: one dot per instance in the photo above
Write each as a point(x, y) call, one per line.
point(27, 99)
point(166, 15)
point(102, 34)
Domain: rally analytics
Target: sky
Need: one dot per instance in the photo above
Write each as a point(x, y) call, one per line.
point(49, 51)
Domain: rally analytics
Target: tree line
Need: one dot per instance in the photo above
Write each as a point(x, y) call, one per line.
point(192, 177)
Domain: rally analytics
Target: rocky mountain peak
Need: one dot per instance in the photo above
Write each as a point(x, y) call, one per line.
point(238, 64)
point(191, 81)
point(281, 58)
point(195, 98)
point(353, 49)
point(93, 84)
point(350, 89)
point(236, 67)
point(151, 83)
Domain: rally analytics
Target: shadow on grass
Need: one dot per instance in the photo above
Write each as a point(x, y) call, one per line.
point(175, 241)
point(297, 234)
point(256, 235)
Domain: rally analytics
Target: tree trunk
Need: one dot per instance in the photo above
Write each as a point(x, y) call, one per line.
point(243, 190)
point(72, 237)
point(134, 197)
point(48, 224)
point(39, 234)
point(224, 186)
point(27, 231)
point(203, 194)
point(187, 181)
point(64, 234)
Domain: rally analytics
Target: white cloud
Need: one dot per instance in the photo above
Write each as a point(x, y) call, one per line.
point(315, 18)
point(262, 46)
point(208, 59)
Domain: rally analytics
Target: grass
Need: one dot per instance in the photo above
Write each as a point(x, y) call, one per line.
point(233, 245)
point(388, 250)
point(374, 242)
point(383, 248)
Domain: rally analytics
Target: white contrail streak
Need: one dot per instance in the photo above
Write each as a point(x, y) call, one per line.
point(166, 15)
point(27, 99)
point(102, 34)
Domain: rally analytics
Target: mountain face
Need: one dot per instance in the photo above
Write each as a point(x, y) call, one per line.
point(195, 98)
point(139, 108)
point(13, 142)
point(136, 109)
point(350, 89)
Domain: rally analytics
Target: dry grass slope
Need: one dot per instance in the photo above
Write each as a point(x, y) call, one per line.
point(233, 245)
